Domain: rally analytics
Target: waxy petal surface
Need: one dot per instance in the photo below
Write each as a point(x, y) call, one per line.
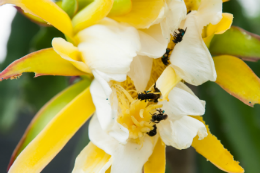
point(143, 13)
point(55, 135)
point(237, 79)
point(48, 11)
point(212, 149)
point(237, 42)
point(91, 14)
point(157, 161)
point(92, 159)
point(47, 113)
point(43, 62)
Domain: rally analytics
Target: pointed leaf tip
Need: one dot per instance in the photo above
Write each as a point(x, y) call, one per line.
point(212, 149)
point(43, 62)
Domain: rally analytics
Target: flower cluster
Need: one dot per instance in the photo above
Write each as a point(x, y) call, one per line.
point(139, 55)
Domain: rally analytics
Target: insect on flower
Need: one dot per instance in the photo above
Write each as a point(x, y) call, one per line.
point(153, 132)
point(165, 58)
point(149, 95)
point(157, 117)
point(178, 36)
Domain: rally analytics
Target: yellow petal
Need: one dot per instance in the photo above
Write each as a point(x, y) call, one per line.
point(234, 76)
point(192, 4)
point(220, 28)
point(46, 113)
point(91, 14)
point(33, 17)
point(43, 62)
point(91, 159)
point(212, 149)
point(157, 161)
point(46, 10)
point(225, 0)
point(71, 53)
point(143, 13)
point(120, 7)
point(55, 135)
point(167, 81)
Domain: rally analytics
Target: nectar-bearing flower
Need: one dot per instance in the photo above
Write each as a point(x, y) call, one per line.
point(85, 57)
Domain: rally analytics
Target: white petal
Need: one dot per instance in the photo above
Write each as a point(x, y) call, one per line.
point(140, 72)
point(191, 58)
point(128, 158)
point(210, 11)
point(181, 85)
point(109, 46)
point(182, 103)
point(180, 133)
point(153, 43)
point(102, 103)
point(175, 14)
point(106, 111)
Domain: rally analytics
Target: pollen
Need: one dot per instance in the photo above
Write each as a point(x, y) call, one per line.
point(134, 114)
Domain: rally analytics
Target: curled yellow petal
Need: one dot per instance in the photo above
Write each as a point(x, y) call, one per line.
point(143, 13)
point(46, 10)
point(212, 149)
point(71, 53)
point(167, 81)
point(91, 14)
point(157, 161)
point(234, 76)
point(220, 28)
point(92, 159)
point(55, 135)
point(43, 62)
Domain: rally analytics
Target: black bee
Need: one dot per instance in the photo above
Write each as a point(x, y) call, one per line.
point(148, 95)
point(178, 36)
point(165, 58)
point(157, 117)
point(153, 132)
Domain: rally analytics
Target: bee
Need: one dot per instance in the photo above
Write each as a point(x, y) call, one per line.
point(153, 132)
point(157, 117)
point(150, 96)
point(178, 36)
point(165, 58)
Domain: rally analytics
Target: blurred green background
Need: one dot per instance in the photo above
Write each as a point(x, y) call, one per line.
point(235, 124)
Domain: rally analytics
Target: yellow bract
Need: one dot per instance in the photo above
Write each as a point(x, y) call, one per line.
point(91, 14)
point(237, 79)
point(212, 149)
point(43, 62)
point(91, 159)
point(143, 13)
point(46, 10)
point(55, 135)
point(157, 161)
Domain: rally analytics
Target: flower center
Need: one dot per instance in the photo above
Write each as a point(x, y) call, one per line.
point(135, 115)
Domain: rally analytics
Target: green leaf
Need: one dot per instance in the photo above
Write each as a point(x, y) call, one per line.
point(47, 113)
point(237, 42)
point(70, 7)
